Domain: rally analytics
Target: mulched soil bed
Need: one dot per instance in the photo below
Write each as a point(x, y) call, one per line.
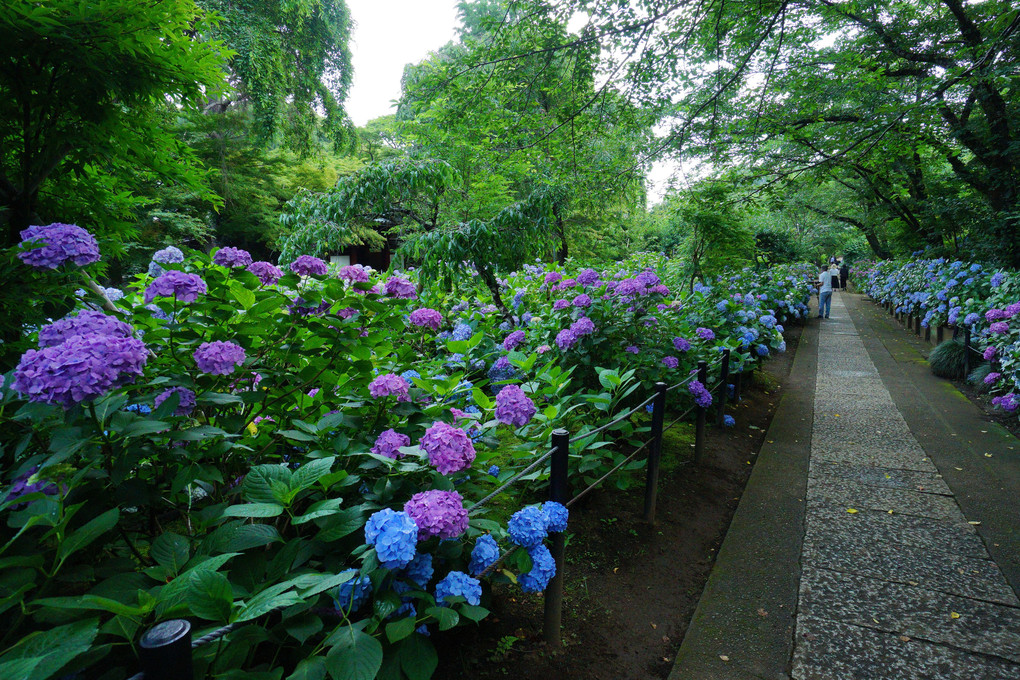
point(630, 588)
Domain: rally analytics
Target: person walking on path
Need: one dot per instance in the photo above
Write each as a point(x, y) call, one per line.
point(834, 273)
point(844, 274)
point(824, 285)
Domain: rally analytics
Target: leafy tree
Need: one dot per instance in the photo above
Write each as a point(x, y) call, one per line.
point(84, 91)
point(291, 61)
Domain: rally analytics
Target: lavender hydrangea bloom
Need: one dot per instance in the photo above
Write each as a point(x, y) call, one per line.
point(1007, 402)
point(457, 583)
point(995, 315)
point(438, 513)
point(351, 595)
point(971, 319)
point(587, 277)
point(992, 377)
point(219, 357)
point(79, 369)
point(513, 340)
point(630, 288)
point(702, 397)
point(113, 294)
point(449, 448)
point(557, 515)
point(999, 327)
point(583, 326)
point(543, 569)
point(85, 322)
point(997, 279)
point(389, 385)
point(989, 353)
point(308, 265)
point(355, 273)
point(528, 526)
point(514, 407)
point(670, 361)
point(185, 402)
point(501, 371)
point(681, 344)
point(60, 243)
point(462, 332)
point(232, 257)
point(419, 570)
point(389, 442)
point(553, 277)
point(705, 333)
point(560, 305)
point(633, 349)
point(394, 536)
point(400, 288)
point(426, 318)
point(23, 485)
point(566, 339)
point(266, 272)
point(176, 284)
point(483, 555)
point(168, 255)
point(582, 301)
point(1012, 310)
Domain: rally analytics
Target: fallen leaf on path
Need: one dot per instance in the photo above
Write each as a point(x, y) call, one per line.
point(762, 613)
point(960, 469)
point(988, 455)
point(904, 638)
point(890, 512)
point(724, 657)
point(654, 626)
point(851, 511)
point(974, 523)
point(954, 615)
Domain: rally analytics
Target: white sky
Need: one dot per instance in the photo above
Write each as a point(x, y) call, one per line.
point(389, 34)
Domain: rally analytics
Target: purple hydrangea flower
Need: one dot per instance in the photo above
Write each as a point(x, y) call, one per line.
point(705, 333)
point(389, 442)
point(513, 340)
point(992, 377)
point(176, 284)
point(989, 353)
point(632, 349)
point(566, 339)
point(999, 327)
point(681, 344)
point(232, 257)
point(308, 265)
point(168, 255)
point(449, 448)
point(426, 318)
point(1007, 402)
point(79, 369)
point(971, 319)
point(185, 403)
point(630, 288)
point(997, 279)
point(85, 322)
point(355, 273)
point(587, 277)
point(514, 407)
point(60, 243)
point(553, 277)
point(400, 288)
point(583, 326)
point(582, 301)
point(458, 583)
point(266, 272)
point(528, 526)
point(394, 536)
point(543, 569)
point(438, 513)
point(702, 397)
point(219, 357)
point(670, 361)
point(23, 485)
point(557, 514)
point(483, 555)
point(560, 304)
point(995, 314)
point(389, 385)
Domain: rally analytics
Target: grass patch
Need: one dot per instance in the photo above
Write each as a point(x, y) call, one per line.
point(949, 360)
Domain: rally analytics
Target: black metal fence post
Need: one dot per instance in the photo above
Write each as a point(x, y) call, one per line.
point(558, 491)
point(724, 379)
point(738, 381)
point(699, 424)
point(966, 350)
point(655, 452)
point(940, 334)
point(917, 326)
point(165, 651)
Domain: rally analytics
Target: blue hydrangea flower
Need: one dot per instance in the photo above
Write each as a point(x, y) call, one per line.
point(528, 526)
point(483, 555)
point(462, 332)
point(494, 471)
point(353, 593)
point(762, 350)
point(409, 375)
point(729, 421)
point(458, 583)
point(419, 570)
point(394, 535)
point(557, 514)
point(543, 568)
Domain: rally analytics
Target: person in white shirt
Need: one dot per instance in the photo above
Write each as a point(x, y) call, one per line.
point(824, 285)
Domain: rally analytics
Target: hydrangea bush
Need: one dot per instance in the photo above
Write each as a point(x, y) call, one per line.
point(233, 438)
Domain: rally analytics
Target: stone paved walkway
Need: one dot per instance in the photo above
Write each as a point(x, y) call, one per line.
point(895, 583)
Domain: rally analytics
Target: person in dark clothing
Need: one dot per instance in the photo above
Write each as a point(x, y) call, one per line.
point(844, 274)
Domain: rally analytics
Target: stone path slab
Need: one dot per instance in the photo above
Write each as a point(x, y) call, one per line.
point(900, 588)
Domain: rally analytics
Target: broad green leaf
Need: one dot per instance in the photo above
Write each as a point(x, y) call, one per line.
point(303, 627)
point(311, 472)
point(87, 533)
point(321, 509)
point(311, 668)
point(258, 483)
point(267, 600)
point(446, 617)
point(355, 656)
point(170, 550)
point(209, 595)
point(418, 658)
point(53, 648)
point(254, 510)
point(400, 629)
